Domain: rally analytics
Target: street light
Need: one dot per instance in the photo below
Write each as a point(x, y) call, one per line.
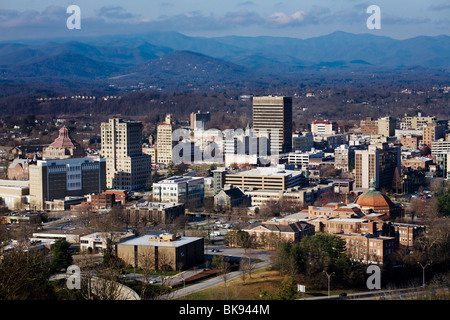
point(329, 277)
point(423, 273)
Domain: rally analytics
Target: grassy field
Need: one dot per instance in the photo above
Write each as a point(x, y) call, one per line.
point(261, 280)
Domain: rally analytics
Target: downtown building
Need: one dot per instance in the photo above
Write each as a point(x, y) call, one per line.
point(272, 115)
point(62, 180)
point(379, 163)
point(164, 143)
point(127, 168)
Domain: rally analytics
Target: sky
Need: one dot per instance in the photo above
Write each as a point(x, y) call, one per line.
point(399, 19)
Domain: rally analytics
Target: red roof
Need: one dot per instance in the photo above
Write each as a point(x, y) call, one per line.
point(64, 139)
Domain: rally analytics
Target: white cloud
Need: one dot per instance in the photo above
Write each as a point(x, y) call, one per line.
point(283, 19)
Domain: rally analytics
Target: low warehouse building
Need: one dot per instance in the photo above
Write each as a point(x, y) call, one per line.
point(165, 250)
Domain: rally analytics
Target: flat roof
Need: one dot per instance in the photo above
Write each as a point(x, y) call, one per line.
point(144, 241)
point(347, 220)
point(267, 171)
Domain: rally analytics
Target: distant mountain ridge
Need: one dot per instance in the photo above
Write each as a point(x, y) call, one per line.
point(172, 56)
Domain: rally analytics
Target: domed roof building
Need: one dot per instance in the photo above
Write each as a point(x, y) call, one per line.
point(374, 201)
point(64, 147)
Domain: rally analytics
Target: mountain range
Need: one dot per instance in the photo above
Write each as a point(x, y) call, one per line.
point(171, 57)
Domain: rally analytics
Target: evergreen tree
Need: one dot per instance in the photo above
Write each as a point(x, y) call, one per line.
point(62, 258)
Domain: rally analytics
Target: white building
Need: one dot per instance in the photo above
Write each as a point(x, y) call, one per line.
point(97, 241)
point(184, 189)
point(303, 159)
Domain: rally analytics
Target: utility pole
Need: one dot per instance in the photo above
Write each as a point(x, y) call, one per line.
point(423, 273)
point(329, 277)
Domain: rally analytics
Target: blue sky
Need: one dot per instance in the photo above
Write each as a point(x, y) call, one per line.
point(400, 19)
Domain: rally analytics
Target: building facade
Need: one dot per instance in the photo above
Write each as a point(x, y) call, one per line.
point(164, 250)
point(127, 167)
point(266, 178)
point(187, 190)
point(164, 143)
point(378, 162)
point(61, 178)
point(273, 115)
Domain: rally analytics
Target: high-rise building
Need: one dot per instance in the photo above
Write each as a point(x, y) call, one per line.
point(431, 133)
point(219, 179)
point(344, 157)
point(199, 119)
point(379, 162)
point(386, 126)
point(419, 121)
point(369, 126)
point(273, 115)
point(56, 179)
point(164, 143)
point(127, 167)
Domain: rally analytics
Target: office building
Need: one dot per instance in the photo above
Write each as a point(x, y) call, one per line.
point(218, 179)
point(199, 119)
point(266, 178)
point(14, 194)
point(419, 121)
point(273, 115)
point(57, 179)
point(187, 190)
point(127, 167)
point(324, 127)
point(378, 162)
point(369, 126)
point(386, 126)
point(431, 133)
point(302, 142)
point(168, 250)
point(344, 158)
point(164, 143)
point(439, 146)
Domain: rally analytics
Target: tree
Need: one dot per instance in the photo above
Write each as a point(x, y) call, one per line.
point(444, 205)
point(397, 181)
point(62, 258)
point(24, 275)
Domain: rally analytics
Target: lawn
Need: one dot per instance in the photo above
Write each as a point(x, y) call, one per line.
point(261, 280)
